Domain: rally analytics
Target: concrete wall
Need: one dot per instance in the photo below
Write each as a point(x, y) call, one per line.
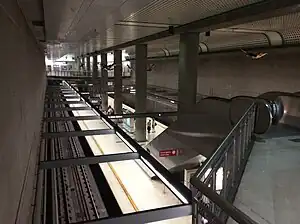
point(230, 74)
point(21, 95)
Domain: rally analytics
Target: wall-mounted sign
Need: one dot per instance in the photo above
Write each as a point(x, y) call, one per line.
point(168, 152)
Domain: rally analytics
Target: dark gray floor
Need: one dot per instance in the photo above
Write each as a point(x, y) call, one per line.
point(269, 190)
point(280, 130)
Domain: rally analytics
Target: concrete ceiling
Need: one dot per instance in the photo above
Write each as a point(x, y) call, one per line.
point(85, 26)
point(33, 11)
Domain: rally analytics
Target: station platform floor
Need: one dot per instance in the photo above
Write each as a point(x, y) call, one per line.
point(129, 180)
point(159, 128)
point(269, 190)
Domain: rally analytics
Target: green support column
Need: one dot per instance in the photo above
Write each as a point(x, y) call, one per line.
point(104, 81)
point(188, 63)
point(96, 83)
point(88, 65)
point(118, 81)
point(141, 90)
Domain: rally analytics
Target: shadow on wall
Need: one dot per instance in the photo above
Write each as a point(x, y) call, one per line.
point(231, 74)
point(22, 92)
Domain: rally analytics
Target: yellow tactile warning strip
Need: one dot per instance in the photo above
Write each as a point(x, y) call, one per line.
point(115, 174)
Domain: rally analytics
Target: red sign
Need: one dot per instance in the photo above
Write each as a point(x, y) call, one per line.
point(169, 152)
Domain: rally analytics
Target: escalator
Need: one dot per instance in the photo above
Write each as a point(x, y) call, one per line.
point(220, 132)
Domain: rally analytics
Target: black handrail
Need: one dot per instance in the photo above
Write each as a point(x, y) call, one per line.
point(221, 149)
point(237, 145)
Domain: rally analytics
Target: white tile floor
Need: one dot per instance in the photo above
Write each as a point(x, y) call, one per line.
point(132, 187)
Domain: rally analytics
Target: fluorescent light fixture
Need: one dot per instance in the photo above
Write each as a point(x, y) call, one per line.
point(91, 84)
point(116, 117)
point(70, 94)
point(110, 92)
point(126, 142)
point(172, 101)
point(166, 182)
point(85, 93)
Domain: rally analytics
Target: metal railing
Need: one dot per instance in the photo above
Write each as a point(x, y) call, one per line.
point(69, 73)
point(216, 182)
point(81, 73)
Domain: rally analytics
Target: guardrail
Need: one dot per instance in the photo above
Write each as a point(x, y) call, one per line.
point(216, 182)
point(67, 73)
point(83, 73)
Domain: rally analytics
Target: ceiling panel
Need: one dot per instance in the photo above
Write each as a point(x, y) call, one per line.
point(184, 11)
point(291, 36)
point(75, 20)
point(98, 24)
point(285, 22)
point(32, 9)
point(60, 14)
point(288, 26)
point(119, 34)
point(229, 40)
point(90, 22)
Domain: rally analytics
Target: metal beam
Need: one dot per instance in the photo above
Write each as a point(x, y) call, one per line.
point(79, 118)
point(149, 114)
point(257, 11)
point(66, 109)
point(58, 92)
point(51, 164)
point(78, 133)
point(147, 216)
point(64, 102)
point(61, 97)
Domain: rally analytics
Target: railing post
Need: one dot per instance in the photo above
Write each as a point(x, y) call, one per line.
point(195, 214)
point(225, 170)
point(244, 137)
point(239, 150)
point(234, 161)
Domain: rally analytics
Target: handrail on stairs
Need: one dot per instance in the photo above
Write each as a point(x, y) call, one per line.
point(216, 182)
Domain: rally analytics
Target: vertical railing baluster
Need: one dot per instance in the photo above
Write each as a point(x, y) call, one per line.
point(225, 170)
point(195, 214)
point(214, 187)
point(234, 161)
point(240, 143)
point(232, 155)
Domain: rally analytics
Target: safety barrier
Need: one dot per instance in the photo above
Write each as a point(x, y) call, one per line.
point(81, 73)
point(216, 182)
point(67, 73)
